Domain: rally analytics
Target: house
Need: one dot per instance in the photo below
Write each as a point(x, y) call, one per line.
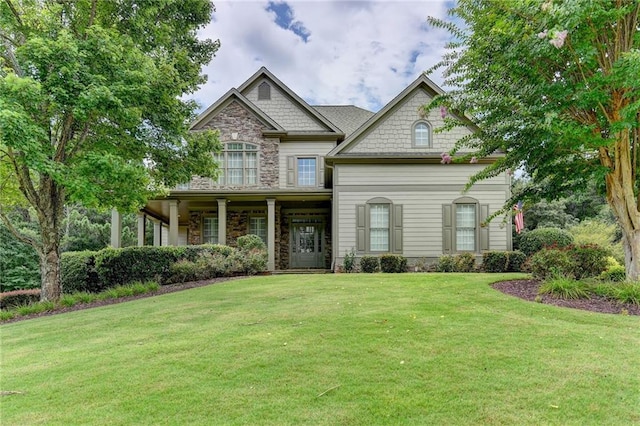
point(316, 182)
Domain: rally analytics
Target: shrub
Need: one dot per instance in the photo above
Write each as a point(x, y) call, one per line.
point(253, 261)
point(565, 288)
point(551, 262)
point(122, 266)
point(250, 242)
point(78, 272)
point(533, 241)
point(614, 273)
point(628, 293)
point(495, 261)
point(594, 231)
point(19, 297)
point(446, 263)
point(349, 264)
point(590, 260)
point(369, 264)
point(517, 260)
point(183, 271)
point(393, 263)
point(464, 262)
point(214, 265)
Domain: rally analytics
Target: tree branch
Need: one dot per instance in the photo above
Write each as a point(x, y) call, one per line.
point(14, 11)
point(20, 236)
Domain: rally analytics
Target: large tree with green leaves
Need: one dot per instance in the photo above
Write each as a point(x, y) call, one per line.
point(555, 86)
point(92, 108)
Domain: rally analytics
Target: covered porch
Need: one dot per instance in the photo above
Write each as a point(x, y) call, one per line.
point(296, 226)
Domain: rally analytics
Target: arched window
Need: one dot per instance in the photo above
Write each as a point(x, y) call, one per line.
point(421, 134)
point(238, 164)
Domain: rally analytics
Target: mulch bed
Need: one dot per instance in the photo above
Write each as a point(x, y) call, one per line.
point(528, 290)
point(524, 289)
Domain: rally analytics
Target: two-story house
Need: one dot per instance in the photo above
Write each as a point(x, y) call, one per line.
point(315, 182)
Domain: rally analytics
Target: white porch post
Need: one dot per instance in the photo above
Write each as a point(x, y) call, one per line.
point(222, 221)
point(116, 229)
point(271, 234)
point(173, 222)
point(141, 228)
point(157, 233)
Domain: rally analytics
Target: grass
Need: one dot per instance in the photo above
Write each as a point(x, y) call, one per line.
point(565, 288)
point(345, 349)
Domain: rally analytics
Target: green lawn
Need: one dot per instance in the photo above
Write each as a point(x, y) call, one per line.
point(338, 349)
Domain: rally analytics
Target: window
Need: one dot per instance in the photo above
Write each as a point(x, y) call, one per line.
point(461, 226)
point(307, 171)
point(421, 134)
point(465, 227)
point(210, 230)
point(238, 164)
point(264, 91)
point(258, 226)
point(379, 226)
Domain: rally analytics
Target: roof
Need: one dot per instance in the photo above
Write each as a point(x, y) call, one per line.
point(347, 118)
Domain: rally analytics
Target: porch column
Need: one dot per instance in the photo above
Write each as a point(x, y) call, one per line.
point(222, 221)
point(116, 229)
point(271, 234)
point(173, 222)
point(141, 227)
point(157, 233)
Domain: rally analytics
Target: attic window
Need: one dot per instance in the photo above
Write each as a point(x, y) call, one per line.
point(264, 91)
point(421, 134)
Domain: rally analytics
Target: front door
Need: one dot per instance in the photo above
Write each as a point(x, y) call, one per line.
point(306, 244)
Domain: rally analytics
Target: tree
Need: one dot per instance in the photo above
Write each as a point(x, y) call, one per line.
point(554, 88)
point(92, 108)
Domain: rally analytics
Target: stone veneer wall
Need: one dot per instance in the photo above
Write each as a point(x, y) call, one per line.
point(236, 119)
point(237, 226)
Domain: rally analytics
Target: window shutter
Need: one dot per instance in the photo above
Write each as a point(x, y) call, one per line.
point(320, 165)
point(361, 236)
point(397, 228)
point(484, 230)
point(291, 170)
point(447, 228)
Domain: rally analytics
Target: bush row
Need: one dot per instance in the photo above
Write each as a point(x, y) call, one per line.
point(96, 271)
point(389, 263)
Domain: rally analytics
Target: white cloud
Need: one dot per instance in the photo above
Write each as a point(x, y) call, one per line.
point(358, 52)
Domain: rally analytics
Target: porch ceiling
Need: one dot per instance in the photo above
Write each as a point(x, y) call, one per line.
point(201, 200)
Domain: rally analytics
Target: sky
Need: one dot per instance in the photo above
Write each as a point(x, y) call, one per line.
point(355, 52)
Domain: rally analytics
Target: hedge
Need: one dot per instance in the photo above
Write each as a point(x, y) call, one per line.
point(534, 241)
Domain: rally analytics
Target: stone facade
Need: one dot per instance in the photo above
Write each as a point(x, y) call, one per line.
point(285, 237)
point(235, 120)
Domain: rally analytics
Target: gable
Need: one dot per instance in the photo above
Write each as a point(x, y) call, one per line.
point(282, 108)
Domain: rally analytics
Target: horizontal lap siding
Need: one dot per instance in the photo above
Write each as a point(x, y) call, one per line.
point(422, 208)
point(287, 149)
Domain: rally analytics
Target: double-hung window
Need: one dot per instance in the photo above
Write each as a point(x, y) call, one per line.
point(209, 230)
point(238, 164)
point(466, 227)
point(379, 227)
point(307, 171)
point(258, 226)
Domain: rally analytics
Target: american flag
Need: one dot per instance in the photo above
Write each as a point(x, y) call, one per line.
point(519, 217)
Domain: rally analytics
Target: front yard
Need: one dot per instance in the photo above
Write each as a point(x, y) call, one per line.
point(324, 349)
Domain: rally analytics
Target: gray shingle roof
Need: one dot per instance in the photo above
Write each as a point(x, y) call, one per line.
point(347, 118)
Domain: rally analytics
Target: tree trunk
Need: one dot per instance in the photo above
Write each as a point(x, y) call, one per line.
point(631, 244)
point(50, 210)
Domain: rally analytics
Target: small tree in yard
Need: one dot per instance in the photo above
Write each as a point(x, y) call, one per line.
point(91, 108)
point(554, 88)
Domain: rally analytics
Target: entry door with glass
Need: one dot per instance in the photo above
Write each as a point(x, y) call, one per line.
point(306, 243)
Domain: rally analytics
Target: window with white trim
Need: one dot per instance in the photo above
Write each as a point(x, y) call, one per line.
point(379, 227)
point(466, 227)
point(209, 230)
point(307, 171)
point(421, 134)
point(238, 164)
point(258, 226)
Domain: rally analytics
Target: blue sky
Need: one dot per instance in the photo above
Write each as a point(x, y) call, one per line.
point(329, 52)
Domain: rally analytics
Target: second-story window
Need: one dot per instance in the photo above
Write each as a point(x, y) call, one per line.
point(307, 171)
point(238, 164)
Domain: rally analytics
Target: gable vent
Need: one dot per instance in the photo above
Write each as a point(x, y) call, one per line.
point(264, 91)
